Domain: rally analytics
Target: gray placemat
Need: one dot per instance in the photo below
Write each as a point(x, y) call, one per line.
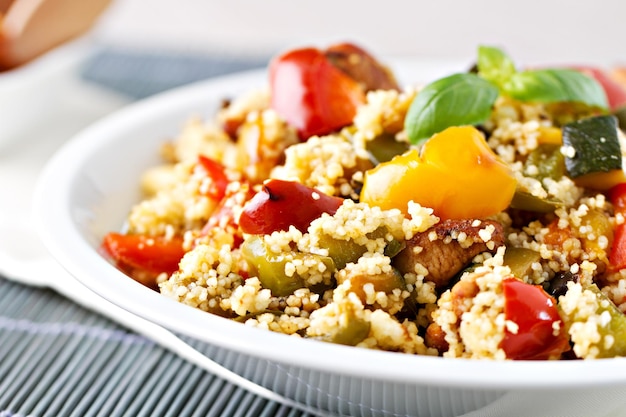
point(59, 359)
point(140, 73)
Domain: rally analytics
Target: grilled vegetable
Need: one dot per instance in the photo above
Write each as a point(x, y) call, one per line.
point(270, 267)
point(456, 174)
point(520, 260)
point(536, 316)
point(311, 94)
point(593, 156)
point(281, 204)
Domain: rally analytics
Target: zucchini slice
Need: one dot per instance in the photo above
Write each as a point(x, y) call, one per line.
point(593, 156)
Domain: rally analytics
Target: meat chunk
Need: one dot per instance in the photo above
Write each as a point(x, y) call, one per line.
point(446, 248)
point(362, 67)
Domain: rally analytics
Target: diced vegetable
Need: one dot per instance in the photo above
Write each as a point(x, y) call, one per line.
point(523, 200)
point(385, 281)
point(344, 251)
point(621, 117)
point(270, 267)
point(617, 255)
point(520, 260)
point(384, 147)
point(616, 327)
point(550, 136)
point(281, 204)
point(601, 226)
point(359, 65)
point(535, 314)
point(593, 155)
point(350, 330)
point(219, 180)
point(144, 256)
point(549, 161)
point(224, 217)
point(456, 174)
point(311, 94)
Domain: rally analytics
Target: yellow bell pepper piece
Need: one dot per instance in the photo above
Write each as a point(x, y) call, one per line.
point(550, 135)
point(456, 174)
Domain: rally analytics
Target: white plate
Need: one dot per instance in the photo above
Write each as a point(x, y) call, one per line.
point(86, 191)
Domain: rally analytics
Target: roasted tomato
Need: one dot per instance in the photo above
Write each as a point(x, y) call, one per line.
point(311, 94)
point(361, 66)
point(144, 257)
point(281, 204)
point(539, 334)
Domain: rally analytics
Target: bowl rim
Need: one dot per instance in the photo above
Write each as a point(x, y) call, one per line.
point(54, 218)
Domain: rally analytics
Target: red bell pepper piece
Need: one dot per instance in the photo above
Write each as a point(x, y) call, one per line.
point(224, 215)
point(281, 204)
point(617, 256)
point(217, 173)
point(535, 313)
point(140, 253)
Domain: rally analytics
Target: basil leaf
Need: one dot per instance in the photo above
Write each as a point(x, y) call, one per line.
point(456, 100)
point(555, 85)
point(494, 65)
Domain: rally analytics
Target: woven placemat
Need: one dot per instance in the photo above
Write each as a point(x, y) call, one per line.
point(59, 359)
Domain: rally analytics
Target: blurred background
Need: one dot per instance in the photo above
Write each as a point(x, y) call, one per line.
point(532, 30)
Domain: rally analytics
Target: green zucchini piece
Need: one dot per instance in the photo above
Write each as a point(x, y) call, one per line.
point(384, 147)
point(523, 200)
point(351, 329)
point(549, 161)
point(520, 260)
point(595, 145)
point(269, 267)
point(616, 327)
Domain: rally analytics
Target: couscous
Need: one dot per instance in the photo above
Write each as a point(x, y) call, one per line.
point(479, 216)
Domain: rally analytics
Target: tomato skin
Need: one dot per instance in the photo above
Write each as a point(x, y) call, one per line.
point(615, 92)
point(144, 257)
point(281, 204)
point(224, 217)
point(311, 94)
point(617, 196)
point(535, 312)
point(617, 256)
point(216, 172)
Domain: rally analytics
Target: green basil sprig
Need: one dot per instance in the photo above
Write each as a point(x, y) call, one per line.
point(463, 99)
point(554, 86)
point(459, 99)
point(494, 65)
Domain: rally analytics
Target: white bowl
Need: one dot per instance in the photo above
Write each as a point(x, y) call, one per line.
point(86, 191)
